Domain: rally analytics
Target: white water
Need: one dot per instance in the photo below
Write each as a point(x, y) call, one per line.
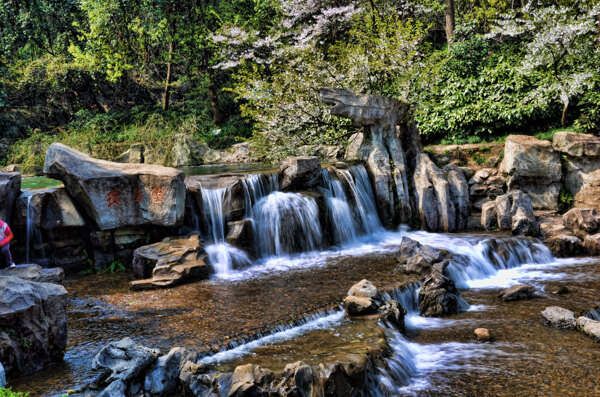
point(28, 229)
point(362, 192)
point(339, 212)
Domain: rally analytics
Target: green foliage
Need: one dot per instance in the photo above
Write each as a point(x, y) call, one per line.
point(7, 392)
point(114, 267)
point(565, 201)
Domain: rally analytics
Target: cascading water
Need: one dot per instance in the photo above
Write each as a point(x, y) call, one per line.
point(365, 208)
point(286, 223)
point(222, 256)
point(340, 214)
point(257, 186)
point(28, 228)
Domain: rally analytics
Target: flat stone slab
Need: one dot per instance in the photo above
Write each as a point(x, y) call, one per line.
point(116, 195)
point(32, 272)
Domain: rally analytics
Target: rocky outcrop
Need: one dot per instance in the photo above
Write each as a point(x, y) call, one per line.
point(49, 209)
point(563, 245)
point(459, 195)
point(380, 147)
point(117, 195)
point(300, 173)
point(35, 273)
point(485, 186)
point(416, 258)
point(582, 221)
point(234, 201)
point(513, 211)
point(10, 188)
point(558, 317)
point(517, 292)
point(534, 168)
point(172, 261)
point(581, 166)
point(33, 324)
point(438, 296)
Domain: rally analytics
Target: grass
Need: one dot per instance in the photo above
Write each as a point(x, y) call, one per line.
point(7, 392)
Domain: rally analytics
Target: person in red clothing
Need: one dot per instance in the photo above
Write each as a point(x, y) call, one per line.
point(5, 237)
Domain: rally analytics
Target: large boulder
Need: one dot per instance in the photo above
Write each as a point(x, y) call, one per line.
point(582, 221)
point(558, 317)
point(416, 258)
point(564, 245)
point(10, 188)
point(47, 209)
point(363, 298)
point(581, 153)
point(231, 187)
point(169, 262)
point(32, 272)
point(514, 212)
point(186, 151)
point(241, 235)
point(534, 167)
point(116, 195)
point(459, 194)
point(33, 324)
point(300, 173)
point(438, 296)
point(123, 360)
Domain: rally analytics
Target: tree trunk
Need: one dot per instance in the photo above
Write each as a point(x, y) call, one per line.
point(563, 119)
point(214, 103)
point(449, 20)
point(598, 37)
point(167, 92)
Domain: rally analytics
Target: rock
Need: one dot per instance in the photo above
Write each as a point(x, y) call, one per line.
point(485, 184)
point(169, 262)
point(123, 360)
point(34, 324)
point(186, 151)
point(300, 173)
point(489, 215)
point(359, 306)
point(417, 258)
point(564, 246)
point(249, 380)
point(557, 289)
point(116, 195)
point(515, 213)
point(582, 221)
point(161, 379)
point(238, 153)
point(134, 155)
point(517, 292)
point(393, 313)
point(364, 289)
point(379, 147)
point(2, 376)
point(114, 389)
point(354, 144)
point(36, 273)
point(234, 199)
point(241, 235)
point(438, 296)
point(482, 335)
point(581, 166)
point(534, 168)
point(592, 244)
point(459, 194)
point(10, 188)
point(589, 327)
point(559, 317)
point(300, 378)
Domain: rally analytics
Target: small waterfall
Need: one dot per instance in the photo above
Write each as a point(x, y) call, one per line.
point(28, 228)
point(222, 256)
point(257, 186)
point(340, 214)
point(286, 223)
point(365, 208)
point(594, 314)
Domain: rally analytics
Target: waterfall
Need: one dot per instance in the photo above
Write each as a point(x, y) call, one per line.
point(594, 314)
point(365, 210)
point(340, 214)
point(286, 223)
point(222, 256)
point(257, 186)
point(28, 229)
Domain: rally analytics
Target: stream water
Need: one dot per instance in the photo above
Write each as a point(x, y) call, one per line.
point(284, 306)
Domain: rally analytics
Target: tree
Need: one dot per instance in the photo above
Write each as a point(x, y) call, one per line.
point(560, 48)
point(449, 20)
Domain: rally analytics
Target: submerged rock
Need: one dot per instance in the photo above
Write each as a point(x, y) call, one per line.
point(557, 289)
point(34, 272)
point(534, 168)
point(517, 292)
point(34, 324)
point(168, 263)
point(559, 317)
point(123, 360)
point(438, 296)
point(116, 195)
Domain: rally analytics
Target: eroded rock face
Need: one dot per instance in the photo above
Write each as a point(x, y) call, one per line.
point(438, 296)
point(123, 360)
point(380, 147)
point(534, 168)
point(32, 272)
point(559, 317)
point(168, 263)
point(10, 188)
point(117, 195)
point(300, 173)
point(33, 324)
point(581, 166)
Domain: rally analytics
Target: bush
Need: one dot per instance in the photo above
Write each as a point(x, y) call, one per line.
point(7, 392)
